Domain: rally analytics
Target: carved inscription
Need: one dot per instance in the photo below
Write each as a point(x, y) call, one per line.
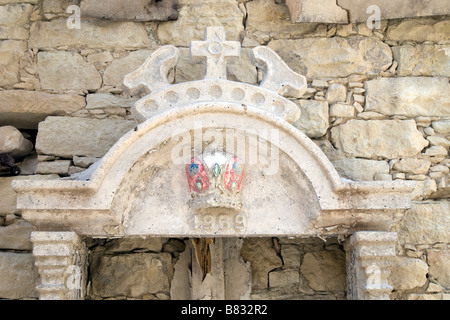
point(219, 223)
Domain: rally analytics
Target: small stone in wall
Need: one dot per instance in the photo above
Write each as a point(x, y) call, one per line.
point(14, 143)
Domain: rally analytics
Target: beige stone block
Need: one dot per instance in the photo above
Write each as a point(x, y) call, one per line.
point(425, 223)
point(334, 57)
point(336, 93)
point(408, 273)
point(423, 60)
point(378, 138)
point(131, 275)
point(194, 17)
point(268, 20)
point(46, 35)
point(408, 96)
point(360, 169)
point(64, 70)
point(25, 109)
point(283, 278)
point(419, 30)
point(13, 142)
point(413, 165)
point(342, 111)
point(324, 270)
point(13, 19)
point(439, 262)
point(107, 100)
point(393, 9)
point(122, 10)
point(130, 244)
point(56, 167)
point(16, 236)
point(314, 118)
point(67, 137)
point(10, 53)
point(441, 126)
point(325, 11)
point(18, 276)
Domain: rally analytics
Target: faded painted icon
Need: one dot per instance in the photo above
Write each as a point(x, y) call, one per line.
point(74, 21)
point(374, 20)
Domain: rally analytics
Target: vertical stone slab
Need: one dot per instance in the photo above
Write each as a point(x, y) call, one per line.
point(61, 261)
point(370, 257)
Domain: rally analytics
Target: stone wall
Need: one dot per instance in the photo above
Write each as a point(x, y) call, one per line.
point(377, 104)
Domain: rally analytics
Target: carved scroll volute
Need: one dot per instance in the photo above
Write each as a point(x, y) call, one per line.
point(278, 76)
point(152, 75)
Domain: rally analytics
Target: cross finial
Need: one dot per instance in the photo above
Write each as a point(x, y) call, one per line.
point(216, 51)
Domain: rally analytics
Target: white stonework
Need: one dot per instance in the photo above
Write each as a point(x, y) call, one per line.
point(282, 182)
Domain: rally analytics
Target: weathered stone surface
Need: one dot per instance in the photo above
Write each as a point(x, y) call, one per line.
point(151, 274)
point(107, 100)
point(119, 68)
point(68, 137)
point(408, 96)
point(419, 30)
point(314, 118)
point(10, 53)
point(325, 11)
point(393, 9)
point(342, 110)
point(441, 126)
point(282, 278)
point(12, 21)
point(423, 60)
point(360, 169)
point(18, 276)
point(268, 20)
point(18, 1)
point(16, 236)
point(67, 71)
point(262, 257)
point(104, 35)
point(56, 167)
point(9, 196)
point(336, 93)
point(334, 57)
point(412, 165)
point(193, 17)
point(25, 109)
point(439, 261)
point(130, 244)
point(378, 138)
point(408, 273)
point(425, 223)
point(12, 141)
point(324, 270)
point(141, 10)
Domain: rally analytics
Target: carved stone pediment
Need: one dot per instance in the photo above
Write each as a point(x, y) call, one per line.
point(141, 187)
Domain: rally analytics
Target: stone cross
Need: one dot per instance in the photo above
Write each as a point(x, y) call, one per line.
point(216, 51)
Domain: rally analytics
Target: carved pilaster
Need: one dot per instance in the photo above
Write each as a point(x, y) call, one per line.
point(369, 261)
point(61, 261)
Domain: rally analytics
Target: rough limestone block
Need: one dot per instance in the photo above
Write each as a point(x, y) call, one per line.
point(10, 53)
point(360, 169)
point(46, 35)
point(419, 30)
point(336, 93)
point(423, 60)
point(439, 261)
point(194, 17)
point(376, 139)
point(408, 273)
point(132, 275)
point(324, 270)
point(393, 9)
point(25, 109)
point(16, 236)
point(55, 167)
point(140, 10)
point(12, 21)
point(68, 137)
point(408, 96)
point(413, 165)
point(324, 11)
point(18, 276)
point(107, 100)
point(64, 70)
point(334, 57)
point(425, 223)
point(441, 126)
point(314, 118)
point(12, 141)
